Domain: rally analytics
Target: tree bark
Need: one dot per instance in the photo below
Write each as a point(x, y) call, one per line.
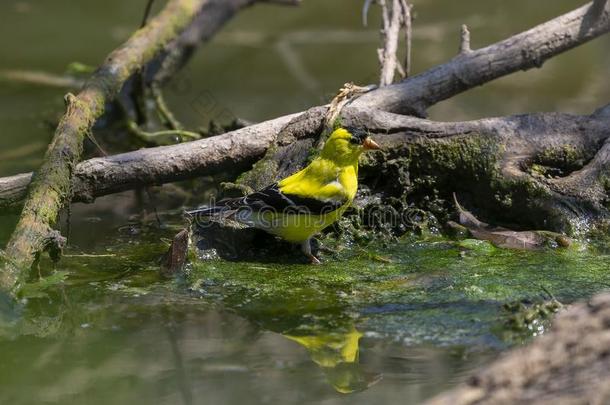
point(13, 190)
point(51, 186)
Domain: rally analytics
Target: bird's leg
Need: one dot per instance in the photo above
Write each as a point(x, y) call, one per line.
point(323, 248)
point(306, 248)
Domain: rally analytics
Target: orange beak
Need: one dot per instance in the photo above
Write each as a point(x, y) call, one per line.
point(370, 144)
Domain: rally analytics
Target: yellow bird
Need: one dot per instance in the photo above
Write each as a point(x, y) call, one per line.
point(308, 201)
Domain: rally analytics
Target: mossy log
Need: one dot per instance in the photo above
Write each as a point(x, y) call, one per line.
point(50, 188)
point(536, 171)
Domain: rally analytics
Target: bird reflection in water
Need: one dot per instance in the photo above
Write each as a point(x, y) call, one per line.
point(337, 354)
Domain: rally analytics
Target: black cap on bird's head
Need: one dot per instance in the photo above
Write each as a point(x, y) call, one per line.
point(346, 144)
point(361, 137)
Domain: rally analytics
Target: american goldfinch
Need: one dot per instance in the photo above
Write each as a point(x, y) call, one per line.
point(308, 201)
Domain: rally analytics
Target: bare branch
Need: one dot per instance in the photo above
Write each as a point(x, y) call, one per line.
point(407, 20)
point(237, 150)
point(391, 29)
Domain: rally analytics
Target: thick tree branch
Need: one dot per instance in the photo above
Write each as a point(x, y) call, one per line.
point(51, 186)
point(523, 51)
point(13, 191)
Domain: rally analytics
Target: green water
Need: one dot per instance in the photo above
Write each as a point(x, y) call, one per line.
point(382, 323)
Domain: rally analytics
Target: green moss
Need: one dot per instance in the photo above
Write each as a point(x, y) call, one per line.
point(565, 157)
point(422, 175)
point(419, 282)
point(527, 318)
point(261, 171)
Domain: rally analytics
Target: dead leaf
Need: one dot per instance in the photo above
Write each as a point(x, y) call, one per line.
point(176, 257)
point(507, 238)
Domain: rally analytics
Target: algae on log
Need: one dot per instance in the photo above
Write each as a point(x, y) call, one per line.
point(50, 189)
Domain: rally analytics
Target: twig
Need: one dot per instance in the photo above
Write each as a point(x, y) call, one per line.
point(167, 117)
point(365, 11)
point(393, 19)
point(138, 89)
point(41, 78)
point(347, 93)
point(149, 4)
point(407, 19)
point(51, 188)
point(161, 137)
point(465, 40)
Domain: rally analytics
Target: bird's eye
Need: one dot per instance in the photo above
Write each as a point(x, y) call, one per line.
point(357, 136)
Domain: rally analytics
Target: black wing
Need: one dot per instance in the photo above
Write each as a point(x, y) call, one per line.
point(273, 199)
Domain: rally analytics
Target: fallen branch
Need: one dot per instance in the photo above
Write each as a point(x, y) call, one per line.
point(51, 186)
point(416, 94)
